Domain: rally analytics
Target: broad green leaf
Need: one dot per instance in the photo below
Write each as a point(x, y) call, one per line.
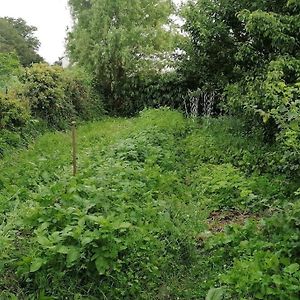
point(277, 279)
point(42, 240)
point(36, 264)
point(101, 264)
point(63, 250)
point(72, 256)
point(292, 268)
point(215, 294)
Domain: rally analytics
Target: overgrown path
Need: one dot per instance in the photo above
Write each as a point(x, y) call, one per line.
point(161, 208)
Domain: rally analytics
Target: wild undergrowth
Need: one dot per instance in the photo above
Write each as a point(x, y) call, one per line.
point(162, 208)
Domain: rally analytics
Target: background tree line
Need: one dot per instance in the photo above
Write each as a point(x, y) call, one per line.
point(244, 53)
point(226, 217)
point(133, 54)
point(35, 96)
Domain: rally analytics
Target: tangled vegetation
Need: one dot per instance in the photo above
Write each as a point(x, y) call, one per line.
point(158, 211)
point(41, 98)
point(34, 96)
point(164, 206)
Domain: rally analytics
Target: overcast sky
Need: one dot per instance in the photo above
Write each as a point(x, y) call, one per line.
point(51, 17)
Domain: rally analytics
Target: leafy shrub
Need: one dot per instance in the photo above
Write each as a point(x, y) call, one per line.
point(261, 259)
point(44, 88)
point(14, 116)
point(78, 87)
point(10, 68)
point(248, 51)
point(151, 91)
point(227, 140)
point(273, 101)
point(14, 113)
point(49, 97)
point(59, 96)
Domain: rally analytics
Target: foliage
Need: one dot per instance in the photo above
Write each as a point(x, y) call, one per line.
point(9, 70)
point(13, 112)
point(119, 41)
point(156, 90)
point(26, 31)
point(264, 257)
point(250, 51)
point(16, 36)
point(79, 88)
point(274, 101)
point(14, 115)
point(233, 40)
point(125, 236)
point(58, 97)
point(162, 208)
point(44, 87)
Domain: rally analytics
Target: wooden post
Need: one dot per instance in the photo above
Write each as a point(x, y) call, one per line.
point(74, 148)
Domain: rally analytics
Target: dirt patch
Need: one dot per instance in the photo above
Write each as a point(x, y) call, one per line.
point(218, 220)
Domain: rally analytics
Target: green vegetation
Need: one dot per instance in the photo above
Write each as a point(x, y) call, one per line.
point(124, 45)
point(161, 209)
point(35, 97)
point(9, 71)
point(45, 98)
point(18, 37)
point(242, 55)
point(248, 51)
point(57, 96)
point(164, 206)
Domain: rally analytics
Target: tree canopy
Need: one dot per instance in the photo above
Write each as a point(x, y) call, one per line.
point(17, 36)
point(250, 52)
point(118, 40)
point(229, 38)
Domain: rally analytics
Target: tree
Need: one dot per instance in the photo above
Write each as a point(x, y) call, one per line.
point(230, 38)
point(250, 50)
point(17, 36)
point(121, 39)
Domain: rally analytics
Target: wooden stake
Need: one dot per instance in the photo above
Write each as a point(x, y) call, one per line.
point(74, 148)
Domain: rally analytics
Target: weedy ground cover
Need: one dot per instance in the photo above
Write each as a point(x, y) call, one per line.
point(162, 208)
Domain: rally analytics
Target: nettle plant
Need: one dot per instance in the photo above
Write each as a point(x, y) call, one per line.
point(260, 258)
point(273, 99)
point(112, 230)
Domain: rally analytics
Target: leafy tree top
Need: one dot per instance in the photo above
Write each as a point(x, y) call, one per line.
point(16, 36)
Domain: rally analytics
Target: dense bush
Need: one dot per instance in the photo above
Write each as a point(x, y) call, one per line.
point(44, 88)
point(57, 96)
point(273, 101)
point(153, 90)
point(14, 115)
point(42, 97)
point(10, 68)
point(79, 88)
point(249, 51)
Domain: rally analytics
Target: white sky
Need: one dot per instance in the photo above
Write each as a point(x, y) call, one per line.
point(51, 17)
